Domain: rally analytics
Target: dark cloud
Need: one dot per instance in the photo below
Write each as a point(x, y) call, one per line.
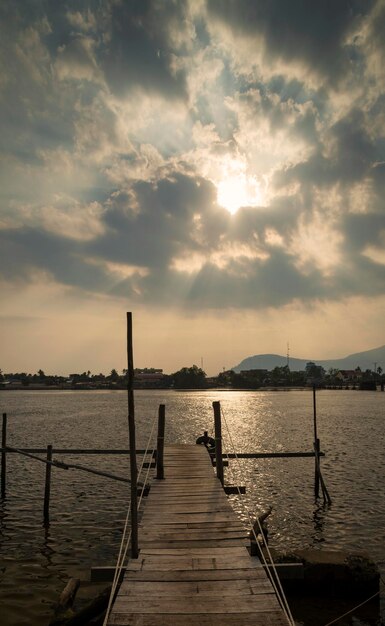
point(31, 249)
point(166, 229)
point(352, 153)
point(139, 51)
point(310, 32)
point(363, 230)
point(163, 228)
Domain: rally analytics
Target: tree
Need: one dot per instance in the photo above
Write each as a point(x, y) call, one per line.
point(114, 376)
point(189, 378)
point(41, 374)
point(280, 375)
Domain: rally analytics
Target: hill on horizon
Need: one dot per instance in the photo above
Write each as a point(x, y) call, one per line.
point(364, 360)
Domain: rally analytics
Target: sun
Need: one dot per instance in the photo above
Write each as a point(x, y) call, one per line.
point(237, 189)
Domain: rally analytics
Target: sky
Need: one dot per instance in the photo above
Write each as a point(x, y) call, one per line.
point(217, 167)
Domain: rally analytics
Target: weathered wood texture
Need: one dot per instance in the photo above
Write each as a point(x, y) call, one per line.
point(193, 567)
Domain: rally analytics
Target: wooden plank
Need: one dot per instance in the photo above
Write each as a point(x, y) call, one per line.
point(197, 526)
point(197, 543)
point(205, 588)
point(185, 563)
point(187, 516)
point(183, 532)
point(262, 618)
point(180, 552)
point(234, 574)
point(190, 604)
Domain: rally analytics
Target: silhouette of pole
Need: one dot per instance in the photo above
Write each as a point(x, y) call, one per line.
point(316, 447)
point(160, 442)
point(3, 456)
point(132, 441)
point(47, 489)
point(218, 440)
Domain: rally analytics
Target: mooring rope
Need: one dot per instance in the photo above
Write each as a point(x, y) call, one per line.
point(358, 606)
point(126, 536)
point(276, 585)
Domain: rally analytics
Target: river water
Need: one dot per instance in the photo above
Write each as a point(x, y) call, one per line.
point(87, 511)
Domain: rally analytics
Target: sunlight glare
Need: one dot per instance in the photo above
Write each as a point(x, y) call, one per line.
point(237, 189)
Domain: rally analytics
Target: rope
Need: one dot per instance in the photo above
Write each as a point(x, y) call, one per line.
point(126, 536)
point(358, 605)
point(67, 466)
point(277, 587)
point(334, 621)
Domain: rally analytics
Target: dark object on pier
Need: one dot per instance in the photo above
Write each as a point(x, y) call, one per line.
point(207, 441)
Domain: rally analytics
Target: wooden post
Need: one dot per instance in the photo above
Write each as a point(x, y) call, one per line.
point(47, 490)
point(3, 456)
point(218, 440)
point(132, 441)
point(316, 447)
point(160, 442)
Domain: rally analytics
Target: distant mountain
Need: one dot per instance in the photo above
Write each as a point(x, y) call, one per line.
point(364, 360)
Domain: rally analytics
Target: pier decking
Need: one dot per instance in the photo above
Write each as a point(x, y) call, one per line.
point(193, 567)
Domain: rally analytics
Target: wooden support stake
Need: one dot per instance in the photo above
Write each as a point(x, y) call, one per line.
point(160, 442)
point(66, 600)
point(316, 447)
point(3, 456)
point(218, 440)
point(131, 428)
point(47, 490)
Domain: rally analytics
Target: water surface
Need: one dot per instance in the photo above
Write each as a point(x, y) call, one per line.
point(87, 511)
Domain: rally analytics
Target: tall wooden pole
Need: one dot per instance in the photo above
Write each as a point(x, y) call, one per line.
point(218, 440)
point(160, 442)
point(132, 441)
point(316, 447)
point(47, 490)
point(3, 456)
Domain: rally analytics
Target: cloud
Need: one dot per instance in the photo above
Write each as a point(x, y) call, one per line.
point(140, 50)
point(122, 121)
point(312, 34)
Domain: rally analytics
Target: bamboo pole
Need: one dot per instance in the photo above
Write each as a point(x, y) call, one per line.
point(218, 441)
point(3, 456)
point(160, 442)
point(132, 442)
point(316, 447)
point(47, 489)
point(102, 451)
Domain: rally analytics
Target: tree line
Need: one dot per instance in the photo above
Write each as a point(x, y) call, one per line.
point(193, 377)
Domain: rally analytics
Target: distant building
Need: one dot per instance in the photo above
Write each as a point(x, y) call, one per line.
point(349, 376)
point(148, 378)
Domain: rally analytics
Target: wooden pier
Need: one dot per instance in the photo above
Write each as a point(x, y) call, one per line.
point(193, 565)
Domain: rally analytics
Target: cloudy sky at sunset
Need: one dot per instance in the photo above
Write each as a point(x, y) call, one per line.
point(217, 167)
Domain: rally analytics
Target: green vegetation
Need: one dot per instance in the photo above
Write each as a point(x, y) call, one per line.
point(189, 378)
point(194, 377)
